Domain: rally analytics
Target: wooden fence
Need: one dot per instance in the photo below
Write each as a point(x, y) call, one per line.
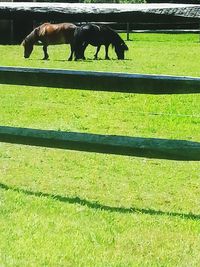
point(115, 82)
point(100, 81)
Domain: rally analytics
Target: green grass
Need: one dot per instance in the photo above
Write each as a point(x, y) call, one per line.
point(66, 208)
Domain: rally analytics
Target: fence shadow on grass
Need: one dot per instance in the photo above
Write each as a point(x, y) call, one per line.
point(101, 207)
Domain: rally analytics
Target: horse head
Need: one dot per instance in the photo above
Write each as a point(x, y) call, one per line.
point(29, 42)
point(120, 49)
point(28, 47)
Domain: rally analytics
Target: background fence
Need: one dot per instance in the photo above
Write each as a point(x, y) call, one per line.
point(18, 19)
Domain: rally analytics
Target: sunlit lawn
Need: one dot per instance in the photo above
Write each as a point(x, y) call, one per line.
point(66, 208)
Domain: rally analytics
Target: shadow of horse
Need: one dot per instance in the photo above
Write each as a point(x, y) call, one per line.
point(101, 207)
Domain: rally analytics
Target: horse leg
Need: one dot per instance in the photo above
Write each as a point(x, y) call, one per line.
point(72, 52)
point(83, 50)
point(78, 51)
point(106, 52)
point(46, 56)
point(97, 51)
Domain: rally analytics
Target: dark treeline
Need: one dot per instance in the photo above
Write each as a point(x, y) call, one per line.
point(90, 1)
point(175, 1)
point(119, 1)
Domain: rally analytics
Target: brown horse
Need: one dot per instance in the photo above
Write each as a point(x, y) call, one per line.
point(50, 34)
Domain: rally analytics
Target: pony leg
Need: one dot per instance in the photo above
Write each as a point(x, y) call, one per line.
point(83, 50)
point(97, 51)
point(72, 52)
point(79, 51)
point(106, 52)
point(46, 56)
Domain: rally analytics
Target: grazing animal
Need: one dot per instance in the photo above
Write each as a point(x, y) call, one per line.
point(50, 34)
point(98, 35)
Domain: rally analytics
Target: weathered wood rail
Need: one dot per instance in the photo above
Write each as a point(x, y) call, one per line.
point(100, 81)
point(120, 145)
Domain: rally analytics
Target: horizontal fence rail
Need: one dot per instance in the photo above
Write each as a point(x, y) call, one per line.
point(174, 31)
point(111, 144)
point(100, 81)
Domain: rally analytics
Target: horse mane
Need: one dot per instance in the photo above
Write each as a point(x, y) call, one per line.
point(31, 37)
point(116, 39)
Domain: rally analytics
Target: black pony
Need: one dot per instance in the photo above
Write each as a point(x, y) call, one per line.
point(98, 35)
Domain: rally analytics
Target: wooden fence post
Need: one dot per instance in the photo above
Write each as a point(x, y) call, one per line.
point(127, 31)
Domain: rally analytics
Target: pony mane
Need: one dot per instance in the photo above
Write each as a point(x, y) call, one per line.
point(116, 39)
point(30, 38)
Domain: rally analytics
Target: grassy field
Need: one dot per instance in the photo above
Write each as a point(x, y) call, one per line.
point(66, 208)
